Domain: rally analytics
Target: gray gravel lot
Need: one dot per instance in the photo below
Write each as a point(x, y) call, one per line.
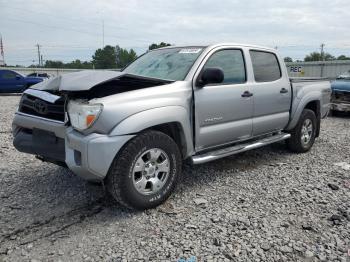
point(263, 205)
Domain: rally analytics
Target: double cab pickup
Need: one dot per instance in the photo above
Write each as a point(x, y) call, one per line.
point(132, 129)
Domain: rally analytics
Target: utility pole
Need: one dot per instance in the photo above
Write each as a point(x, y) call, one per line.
point(322, 58)
point(39, 56)
point(2, 60)
point(103, 33)
point(322, 52)
point(41, 59)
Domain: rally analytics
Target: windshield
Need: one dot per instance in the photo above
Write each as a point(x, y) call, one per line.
point(345, 75)
point(170, 63)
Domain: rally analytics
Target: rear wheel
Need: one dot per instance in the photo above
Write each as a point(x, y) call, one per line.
point(303, 135)
point(146, 171)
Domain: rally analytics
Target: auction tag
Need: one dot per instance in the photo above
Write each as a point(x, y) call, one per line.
point(190, 51)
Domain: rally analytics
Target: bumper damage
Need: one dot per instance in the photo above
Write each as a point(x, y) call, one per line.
point(343, 107)
point(87, 156)
point(340, 101)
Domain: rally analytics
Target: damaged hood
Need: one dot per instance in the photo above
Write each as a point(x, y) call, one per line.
point(78, 81)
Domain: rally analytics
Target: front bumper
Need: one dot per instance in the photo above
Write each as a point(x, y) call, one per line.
point(90, 156)
point(343, 107)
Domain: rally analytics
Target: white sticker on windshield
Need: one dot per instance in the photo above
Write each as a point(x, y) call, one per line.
point(190, 51)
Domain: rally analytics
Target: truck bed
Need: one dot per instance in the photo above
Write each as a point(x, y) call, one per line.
point(303, 85)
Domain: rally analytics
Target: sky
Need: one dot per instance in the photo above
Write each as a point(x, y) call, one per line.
point(69, 30)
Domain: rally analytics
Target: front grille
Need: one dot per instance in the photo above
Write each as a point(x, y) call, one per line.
point(37, 107)
point(341, 96)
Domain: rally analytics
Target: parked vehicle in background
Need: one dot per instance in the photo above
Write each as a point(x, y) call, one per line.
point(14, 82)
point(132, 129)
point(340, 100)
point(41, 75)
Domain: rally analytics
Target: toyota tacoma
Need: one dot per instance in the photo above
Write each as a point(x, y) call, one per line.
point(132, 129)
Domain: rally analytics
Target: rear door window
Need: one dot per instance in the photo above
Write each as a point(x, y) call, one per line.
point(265, 65)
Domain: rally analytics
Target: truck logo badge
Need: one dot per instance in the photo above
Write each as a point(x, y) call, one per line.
point(213, 119)
point(40, 107)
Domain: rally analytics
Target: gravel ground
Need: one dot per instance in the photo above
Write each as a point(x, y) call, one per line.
point(263, 205)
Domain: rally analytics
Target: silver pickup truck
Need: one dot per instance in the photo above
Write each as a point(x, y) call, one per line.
point(133, 129)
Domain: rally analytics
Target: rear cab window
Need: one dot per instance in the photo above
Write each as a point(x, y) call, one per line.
point(265, 66)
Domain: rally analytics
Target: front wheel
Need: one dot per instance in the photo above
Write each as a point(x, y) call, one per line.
point(303, 135)
point(146, 171)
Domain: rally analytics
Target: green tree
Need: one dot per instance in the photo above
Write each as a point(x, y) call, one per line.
point(77, 64)
point(288, 59)
point(105, 58)
point(53, 64)
point(124, 57)
point(316, 56)
point(155, 46)
point(343, 57)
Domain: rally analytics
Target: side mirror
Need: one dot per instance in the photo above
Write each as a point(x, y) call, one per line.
point(210, 75)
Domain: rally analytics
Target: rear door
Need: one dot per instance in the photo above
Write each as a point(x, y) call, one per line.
point(272, 93)
point(222, 114)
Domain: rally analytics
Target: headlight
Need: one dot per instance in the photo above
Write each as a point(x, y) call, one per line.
point(83, 115)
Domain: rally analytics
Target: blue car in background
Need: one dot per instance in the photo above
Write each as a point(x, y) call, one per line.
point(340, 100)
point(13, 82)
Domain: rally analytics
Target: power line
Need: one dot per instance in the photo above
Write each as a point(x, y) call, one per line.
point(26, 10)
point(72, 29)
point(63, 46)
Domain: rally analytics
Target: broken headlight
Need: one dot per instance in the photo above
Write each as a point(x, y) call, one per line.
point(82, 115)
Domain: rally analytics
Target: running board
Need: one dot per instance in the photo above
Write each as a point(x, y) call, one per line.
point(220, 153)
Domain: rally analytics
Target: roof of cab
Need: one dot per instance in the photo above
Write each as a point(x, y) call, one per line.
point(211, 46)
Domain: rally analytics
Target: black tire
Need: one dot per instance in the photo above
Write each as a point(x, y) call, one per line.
point(333, 113)
point(94, 183)
point(295, 143)
point(120, 178)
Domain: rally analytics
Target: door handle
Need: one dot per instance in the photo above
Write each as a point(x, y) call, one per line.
point(247, 94)
point(283, 91)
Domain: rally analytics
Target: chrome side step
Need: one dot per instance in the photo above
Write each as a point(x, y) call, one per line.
point(220, 153)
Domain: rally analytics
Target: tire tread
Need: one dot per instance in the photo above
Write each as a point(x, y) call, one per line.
point(294, 143)
point(122, 161)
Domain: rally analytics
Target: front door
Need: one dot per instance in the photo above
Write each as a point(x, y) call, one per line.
point(11, 82)
point(223, 112)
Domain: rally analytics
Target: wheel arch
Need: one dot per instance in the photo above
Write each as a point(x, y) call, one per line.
point(171, 120)
point(310, 101)
point(176, 132)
